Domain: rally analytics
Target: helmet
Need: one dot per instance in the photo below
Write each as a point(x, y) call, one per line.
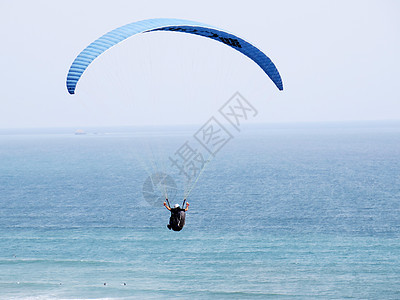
point(176, 206)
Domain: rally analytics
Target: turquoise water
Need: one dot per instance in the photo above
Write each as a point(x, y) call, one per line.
point(281, 212)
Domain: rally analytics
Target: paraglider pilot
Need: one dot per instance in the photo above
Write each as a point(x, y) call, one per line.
point(178, 214)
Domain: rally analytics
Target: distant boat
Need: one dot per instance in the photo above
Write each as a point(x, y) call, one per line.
point(80, 132)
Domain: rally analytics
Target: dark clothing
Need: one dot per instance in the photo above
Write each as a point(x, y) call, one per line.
point(177, 219)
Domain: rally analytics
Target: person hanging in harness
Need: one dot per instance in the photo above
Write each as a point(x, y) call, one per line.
point(178, 214)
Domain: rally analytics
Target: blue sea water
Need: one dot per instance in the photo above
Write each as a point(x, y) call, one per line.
point(302, 212)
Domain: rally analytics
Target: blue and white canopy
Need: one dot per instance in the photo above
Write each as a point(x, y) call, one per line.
point(102, 44)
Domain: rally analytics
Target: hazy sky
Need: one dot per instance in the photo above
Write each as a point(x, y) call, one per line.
point(339, 60)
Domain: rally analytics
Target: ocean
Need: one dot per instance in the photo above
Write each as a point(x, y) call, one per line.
point(289, 211)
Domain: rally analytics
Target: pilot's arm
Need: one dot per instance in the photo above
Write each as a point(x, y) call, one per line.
point(165, 204)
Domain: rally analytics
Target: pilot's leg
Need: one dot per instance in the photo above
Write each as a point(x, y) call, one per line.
point(169, 225)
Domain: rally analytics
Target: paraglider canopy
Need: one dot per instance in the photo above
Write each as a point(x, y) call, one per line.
point(105, 42)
